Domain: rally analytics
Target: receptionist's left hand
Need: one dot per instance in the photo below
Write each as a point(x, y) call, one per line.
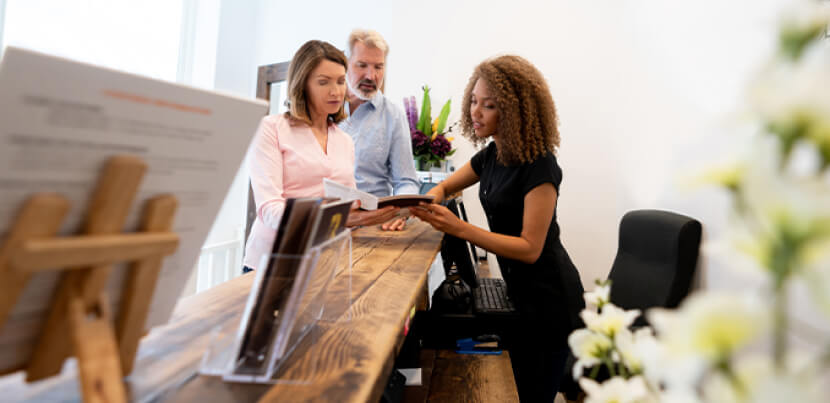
point(440, 217)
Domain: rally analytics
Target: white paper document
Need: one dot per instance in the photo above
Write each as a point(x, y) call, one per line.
point(331, 188)
point(61, 120)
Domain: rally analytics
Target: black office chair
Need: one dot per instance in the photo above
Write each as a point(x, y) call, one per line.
point(654, 267)
point(656, 260)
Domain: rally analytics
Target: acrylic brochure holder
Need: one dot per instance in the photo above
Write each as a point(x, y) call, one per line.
point(317, 294)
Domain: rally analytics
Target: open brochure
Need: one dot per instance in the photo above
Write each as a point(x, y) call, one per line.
point(60, 120)
point(369, 201)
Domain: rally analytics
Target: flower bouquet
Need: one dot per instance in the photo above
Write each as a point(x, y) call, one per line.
point(430, 143)
point(739, 345)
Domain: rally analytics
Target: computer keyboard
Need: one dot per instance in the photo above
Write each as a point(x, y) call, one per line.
point(491, 297)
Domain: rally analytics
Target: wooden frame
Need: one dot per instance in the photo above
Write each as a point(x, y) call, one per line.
point(79, 308)
point(269, 74)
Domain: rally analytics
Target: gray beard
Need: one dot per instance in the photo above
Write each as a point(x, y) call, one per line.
point(358, 93)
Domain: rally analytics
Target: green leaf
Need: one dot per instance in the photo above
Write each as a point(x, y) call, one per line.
point(442, 118)
point(794, 41)
point(425, 122)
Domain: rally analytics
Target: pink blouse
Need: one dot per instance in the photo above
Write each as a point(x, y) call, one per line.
point(286, 161)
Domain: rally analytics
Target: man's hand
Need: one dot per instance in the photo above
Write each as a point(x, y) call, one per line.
point(397, 224)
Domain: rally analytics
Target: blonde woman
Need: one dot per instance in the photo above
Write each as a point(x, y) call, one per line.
point(292, 152)
point(507, 100)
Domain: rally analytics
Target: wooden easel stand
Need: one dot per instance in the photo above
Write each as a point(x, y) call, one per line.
point(80, 308)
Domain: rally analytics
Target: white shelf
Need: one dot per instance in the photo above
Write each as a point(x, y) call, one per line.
point(432, 176)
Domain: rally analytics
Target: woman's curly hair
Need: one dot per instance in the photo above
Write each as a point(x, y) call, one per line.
point(528, 122)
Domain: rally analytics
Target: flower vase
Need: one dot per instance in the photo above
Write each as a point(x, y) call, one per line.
point(438, 167)
point(424, 165)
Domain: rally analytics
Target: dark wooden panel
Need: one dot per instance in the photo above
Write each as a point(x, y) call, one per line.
point(420, 393)
point(472, 378)
point(267, 74)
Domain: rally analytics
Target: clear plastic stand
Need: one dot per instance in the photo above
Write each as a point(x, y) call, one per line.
point(317, 290)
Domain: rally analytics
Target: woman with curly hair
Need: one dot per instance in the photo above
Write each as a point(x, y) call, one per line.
point(508, 100)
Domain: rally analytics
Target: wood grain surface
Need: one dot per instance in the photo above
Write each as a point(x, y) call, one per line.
point(349, 360)
point(472, 378)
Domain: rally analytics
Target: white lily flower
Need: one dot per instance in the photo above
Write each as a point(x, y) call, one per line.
point(610, 320)
point(818, 282)
point(600, 296)
point(589, 348)
point(790, 97)
point(805, 14)
point(727, 174)
point(679, 396)
point(616, 390)
point(756, 379)
point(718, 388)
point(710, 325)
point(788, 388)
point(636, 348)
point(660, 368)
point(677, 373)
point(776, 207)
point(803, 20)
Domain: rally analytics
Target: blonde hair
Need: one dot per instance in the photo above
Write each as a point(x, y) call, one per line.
point(369, 38)
point(528, 121)
point(307, 58)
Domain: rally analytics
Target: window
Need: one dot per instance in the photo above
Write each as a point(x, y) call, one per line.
point(2, 18)
point(172, 40)
point(138, 37)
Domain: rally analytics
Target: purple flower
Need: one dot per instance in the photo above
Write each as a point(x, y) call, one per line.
point(411, 113)
point(431, 150)
point(440, 146)
point(418, 139)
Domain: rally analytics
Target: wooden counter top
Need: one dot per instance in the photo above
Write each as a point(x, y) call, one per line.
point(352, 358)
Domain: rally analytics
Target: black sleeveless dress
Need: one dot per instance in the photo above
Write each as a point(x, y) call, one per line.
point(548, 292)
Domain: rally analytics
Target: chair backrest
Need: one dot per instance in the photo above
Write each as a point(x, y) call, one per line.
point(656, 260)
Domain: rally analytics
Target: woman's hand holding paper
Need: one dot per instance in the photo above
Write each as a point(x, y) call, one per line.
point(362, 217)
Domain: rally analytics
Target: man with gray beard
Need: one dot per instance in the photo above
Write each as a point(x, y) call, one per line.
point(383, 146)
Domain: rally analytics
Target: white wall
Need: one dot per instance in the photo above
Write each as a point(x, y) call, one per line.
point(235, 72)
point(643, 88)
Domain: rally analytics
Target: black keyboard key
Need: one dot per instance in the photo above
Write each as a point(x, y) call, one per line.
point(491, 297)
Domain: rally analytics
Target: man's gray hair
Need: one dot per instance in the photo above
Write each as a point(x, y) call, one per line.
point(369, 38)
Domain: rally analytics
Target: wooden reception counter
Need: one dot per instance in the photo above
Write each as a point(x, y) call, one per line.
point(351, 360)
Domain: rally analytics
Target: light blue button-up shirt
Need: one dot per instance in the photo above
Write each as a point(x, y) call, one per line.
point(383, 148)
